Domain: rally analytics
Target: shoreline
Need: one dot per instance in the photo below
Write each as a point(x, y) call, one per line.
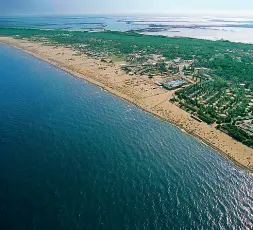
point(43, 53)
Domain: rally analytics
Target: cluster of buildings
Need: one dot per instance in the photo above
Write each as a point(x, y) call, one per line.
point(245, 124)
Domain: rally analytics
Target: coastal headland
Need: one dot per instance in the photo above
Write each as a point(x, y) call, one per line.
point(139, 90)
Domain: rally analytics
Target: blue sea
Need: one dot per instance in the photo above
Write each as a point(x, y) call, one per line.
point(73, 156)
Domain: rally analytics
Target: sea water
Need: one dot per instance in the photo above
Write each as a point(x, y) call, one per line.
point(75, 157)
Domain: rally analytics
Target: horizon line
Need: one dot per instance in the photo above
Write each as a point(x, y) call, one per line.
point(146, 13)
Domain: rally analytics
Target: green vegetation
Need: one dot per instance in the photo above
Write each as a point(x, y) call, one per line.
point(231, 61)
point(223, 94)
point(227, 104)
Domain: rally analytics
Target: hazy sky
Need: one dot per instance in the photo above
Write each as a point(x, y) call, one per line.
point(124, 6)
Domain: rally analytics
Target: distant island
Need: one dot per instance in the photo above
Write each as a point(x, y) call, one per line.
point(204, 87)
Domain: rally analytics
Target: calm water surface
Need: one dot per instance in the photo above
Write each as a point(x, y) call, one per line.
point(75, 157)
point(212, 28)
point(70, 22)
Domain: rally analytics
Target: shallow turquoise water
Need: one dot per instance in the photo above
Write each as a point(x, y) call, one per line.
point(75, 157)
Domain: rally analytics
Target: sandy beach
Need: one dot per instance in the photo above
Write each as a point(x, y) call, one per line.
point(139, 90)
